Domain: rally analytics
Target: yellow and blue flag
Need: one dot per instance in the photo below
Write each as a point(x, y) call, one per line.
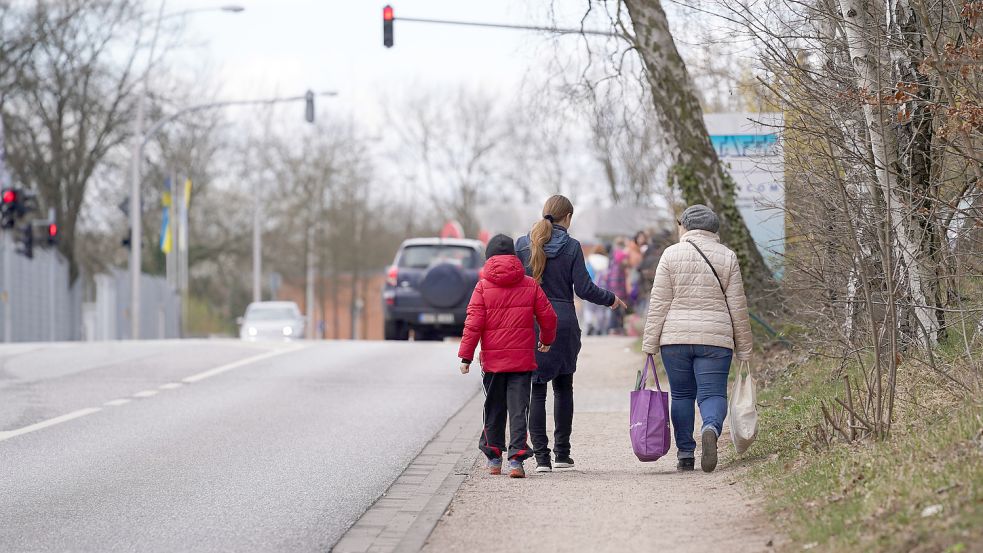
point(166, 243)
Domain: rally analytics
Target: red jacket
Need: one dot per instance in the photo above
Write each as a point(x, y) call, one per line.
point(504, 310)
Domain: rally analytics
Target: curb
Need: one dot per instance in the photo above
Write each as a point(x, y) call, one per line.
point(402, 519)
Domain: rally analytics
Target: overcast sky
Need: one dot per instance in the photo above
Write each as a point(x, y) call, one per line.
point(284, 47)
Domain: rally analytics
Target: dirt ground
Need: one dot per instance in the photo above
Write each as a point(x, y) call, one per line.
point(611, 501)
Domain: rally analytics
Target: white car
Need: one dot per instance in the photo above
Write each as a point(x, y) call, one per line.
point(271, 320)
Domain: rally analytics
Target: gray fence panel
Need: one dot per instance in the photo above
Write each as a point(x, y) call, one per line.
point(160, 308)
point(37, 303)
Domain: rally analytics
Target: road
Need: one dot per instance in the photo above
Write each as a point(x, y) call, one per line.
point(210, 445)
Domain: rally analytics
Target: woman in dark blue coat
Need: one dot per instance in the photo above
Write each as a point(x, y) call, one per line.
point(556, 261)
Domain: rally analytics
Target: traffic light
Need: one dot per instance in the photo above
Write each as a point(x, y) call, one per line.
point(52, 234)
point(25, 240)
point(309, 106)
point(387, 26)
point(10, 207)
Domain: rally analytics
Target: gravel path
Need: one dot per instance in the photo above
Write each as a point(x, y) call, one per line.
point(611, 501)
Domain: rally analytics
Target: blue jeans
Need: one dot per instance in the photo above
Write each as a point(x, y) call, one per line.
point(696, 373)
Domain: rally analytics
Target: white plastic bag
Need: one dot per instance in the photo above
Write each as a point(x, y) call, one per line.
point(743, 412)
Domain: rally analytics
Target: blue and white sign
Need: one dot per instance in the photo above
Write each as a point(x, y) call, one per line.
point(749, 145)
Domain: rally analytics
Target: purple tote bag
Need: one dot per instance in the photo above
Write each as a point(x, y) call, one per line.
point(649, 418)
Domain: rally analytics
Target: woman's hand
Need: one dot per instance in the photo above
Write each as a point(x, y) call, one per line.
point(618, 304)
point(465, 367)
point(542, 348)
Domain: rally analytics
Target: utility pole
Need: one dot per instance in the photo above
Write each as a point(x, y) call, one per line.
point(139, 141)
point(183, 280)
point(257, 244)
point(309, 292)
point(136, 222)
point(312, 224)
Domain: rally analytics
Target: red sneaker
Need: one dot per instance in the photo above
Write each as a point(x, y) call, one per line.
point(494, 466)
point(516, 469)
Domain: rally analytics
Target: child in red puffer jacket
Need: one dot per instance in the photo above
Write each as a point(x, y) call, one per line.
point(504, 310)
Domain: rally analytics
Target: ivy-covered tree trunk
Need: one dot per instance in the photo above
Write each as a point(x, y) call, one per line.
point(697, 171)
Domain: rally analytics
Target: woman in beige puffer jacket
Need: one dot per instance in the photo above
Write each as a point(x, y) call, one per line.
point(698, 323)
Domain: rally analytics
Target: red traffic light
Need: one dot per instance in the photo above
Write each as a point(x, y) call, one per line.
point(387, 13)
point(9, 196)
point(52, 230)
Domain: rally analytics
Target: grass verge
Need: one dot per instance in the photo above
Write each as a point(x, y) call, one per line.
point(921, 490)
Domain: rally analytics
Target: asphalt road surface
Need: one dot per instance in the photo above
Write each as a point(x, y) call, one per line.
point(210, 445)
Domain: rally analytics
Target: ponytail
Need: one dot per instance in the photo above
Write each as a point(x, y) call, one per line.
point(557, 208)
point(540, 234)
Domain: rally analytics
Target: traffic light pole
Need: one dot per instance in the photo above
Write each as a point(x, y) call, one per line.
point(554, 30)
point(140, 141)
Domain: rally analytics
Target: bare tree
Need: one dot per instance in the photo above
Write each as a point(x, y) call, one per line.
point(68, 104)
point(883, 154)
point(452, 142)
point(630, 148)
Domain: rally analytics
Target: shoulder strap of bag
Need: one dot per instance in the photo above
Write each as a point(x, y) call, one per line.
point(716, 276)
point(645, 372)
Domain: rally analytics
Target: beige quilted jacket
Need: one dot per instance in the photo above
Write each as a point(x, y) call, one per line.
point(687, 306)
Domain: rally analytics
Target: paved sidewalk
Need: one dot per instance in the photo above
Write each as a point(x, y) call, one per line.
point(611, 501)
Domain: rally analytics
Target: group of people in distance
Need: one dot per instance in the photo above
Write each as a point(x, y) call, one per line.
point(626, 267)
point(523, 314)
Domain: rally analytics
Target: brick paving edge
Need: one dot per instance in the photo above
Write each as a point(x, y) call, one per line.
point(402, 519)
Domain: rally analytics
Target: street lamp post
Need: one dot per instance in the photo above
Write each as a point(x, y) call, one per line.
point(137, 230)
point(139, 140)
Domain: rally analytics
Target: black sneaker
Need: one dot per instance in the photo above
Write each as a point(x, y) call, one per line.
point(708, 458)
point(564, 462)
point(686, 465)
point(543, 464)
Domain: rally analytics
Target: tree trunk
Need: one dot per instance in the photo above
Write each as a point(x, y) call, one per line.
point(697, 171)
point(859, 26)
point(915, 132)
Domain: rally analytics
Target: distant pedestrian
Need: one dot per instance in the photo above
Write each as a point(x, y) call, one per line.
point(617, 282)
point(596, 317)
point(556, 261)
point(502, 315)
point(698, 318)
point(636, 251)
point(646, 270)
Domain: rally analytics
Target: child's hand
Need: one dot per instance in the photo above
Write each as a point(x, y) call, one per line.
point(542, 348)
point(618, 304)
point(465, 367)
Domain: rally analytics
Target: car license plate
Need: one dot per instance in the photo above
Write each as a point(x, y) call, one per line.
point(437, 318)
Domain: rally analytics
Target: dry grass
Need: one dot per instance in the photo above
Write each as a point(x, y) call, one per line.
point(872, 495)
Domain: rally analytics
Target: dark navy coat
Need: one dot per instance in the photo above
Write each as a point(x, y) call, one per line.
point(565, 274)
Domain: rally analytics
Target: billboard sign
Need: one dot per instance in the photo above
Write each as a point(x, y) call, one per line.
point(749, 145)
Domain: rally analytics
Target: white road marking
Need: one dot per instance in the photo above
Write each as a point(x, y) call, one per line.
point(50, 422)
point(240, 363)
point(117, 402)
point(6, 435)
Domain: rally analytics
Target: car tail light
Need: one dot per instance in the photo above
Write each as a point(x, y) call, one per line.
point(392, 277)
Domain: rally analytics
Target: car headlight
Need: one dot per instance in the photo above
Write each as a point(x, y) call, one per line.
point(288, 330)
point(252, 331)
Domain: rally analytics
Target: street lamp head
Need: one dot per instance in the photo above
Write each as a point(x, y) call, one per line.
point(233, 8)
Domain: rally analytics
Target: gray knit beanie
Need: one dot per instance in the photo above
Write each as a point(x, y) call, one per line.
point(700, 217)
